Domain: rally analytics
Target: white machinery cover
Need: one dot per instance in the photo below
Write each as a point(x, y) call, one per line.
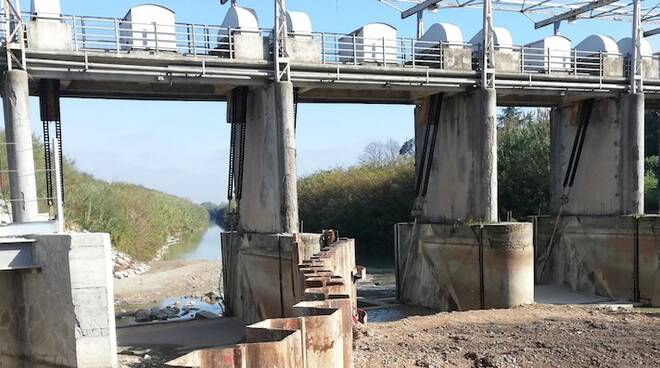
point(149, 26)
point(626, 47)
point(299, 24)
point(240, 18)
point(501, 36)
point(445, 33)
point(46, 8)
point(598, 43)
point(375, 42)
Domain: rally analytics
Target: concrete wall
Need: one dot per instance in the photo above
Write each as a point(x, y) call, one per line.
point(258, 273)
point(270, 199)
point(596, 254)
point(62, 315)
point(463, 180)
point(316, 332)
point(439, 266)
point(613, 157)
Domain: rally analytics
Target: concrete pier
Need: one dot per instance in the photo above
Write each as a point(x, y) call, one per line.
point(270, 196)
point(610, 176)
point(20, 156)
point(462, 184)
point(261, 249)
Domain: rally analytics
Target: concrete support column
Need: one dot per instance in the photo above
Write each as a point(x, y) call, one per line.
point(631, 111)
point(462, 184)
point(20, 156)
point(610, 174)
point(286, 142)
point(269, 203)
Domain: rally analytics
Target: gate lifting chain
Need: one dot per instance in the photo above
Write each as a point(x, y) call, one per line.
point(237, 117)
point(49, 104)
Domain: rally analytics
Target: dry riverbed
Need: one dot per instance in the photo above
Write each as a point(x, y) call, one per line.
point(167, 279)
point(530, 336)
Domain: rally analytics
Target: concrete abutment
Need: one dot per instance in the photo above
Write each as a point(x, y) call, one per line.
point(61, 314)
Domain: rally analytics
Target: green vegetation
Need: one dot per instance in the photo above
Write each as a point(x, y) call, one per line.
point(363, 202)
point(139, 219)
point(523, 152)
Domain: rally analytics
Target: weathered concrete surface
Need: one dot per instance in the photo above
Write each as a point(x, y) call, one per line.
point(612, 156)
point(63, 315)
point(258, 273)
point(20, 156)
point(463, 181)
point(507, 61)
point(316, 332)
point(304, 50)
point(270, 194)
point(49, 35)
point(445, 57)
point(596, 254)
point(439, 266)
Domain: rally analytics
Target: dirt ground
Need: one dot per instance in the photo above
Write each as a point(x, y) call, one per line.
point(168, 279)
point(529, 336)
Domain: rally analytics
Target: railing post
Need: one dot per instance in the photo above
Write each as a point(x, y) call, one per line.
point(601, 65)
point(522, 59)
point(230, 41)
point(83, 30)
point(412, 45)
point(322, 47)
point(117, 35)
point(355, 50)
point(384, 54)
point(549, 70)
point(156, 37)
point(75, 34)
point(207, 39)
point(575, 66)
point(194, 41)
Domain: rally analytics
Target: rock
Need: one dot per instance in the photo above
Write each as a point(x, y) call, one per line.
point(206, 315)
point(143, 315)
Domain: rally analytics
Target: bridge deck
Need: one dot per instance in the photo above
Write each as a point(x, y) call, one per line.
point(201, 62)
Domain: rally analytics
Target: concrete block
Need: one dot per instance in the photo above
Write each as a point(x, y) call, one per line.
point(59, 323)
point(596, 254)
point(507, 61)
point(304, 50)
point(441, 265)
point(49, 35)
point(248, 47)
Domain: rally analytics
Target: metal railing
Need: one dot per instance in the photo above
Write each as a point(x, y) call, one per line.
point(110, 35)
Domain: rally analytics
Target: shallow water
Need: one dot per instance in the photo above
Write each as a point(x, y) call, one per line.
point(204, 246)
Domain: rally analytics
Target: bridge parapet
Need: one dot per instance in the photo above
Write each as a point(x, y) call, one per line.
point(191, 53)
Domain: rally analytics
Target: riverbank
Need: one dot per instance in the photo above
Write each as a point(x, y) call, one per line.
point(167, 279)
point(528, 336)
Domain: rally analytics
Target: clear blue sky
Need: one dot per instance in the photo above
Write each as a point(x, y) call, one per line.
point(182, 147)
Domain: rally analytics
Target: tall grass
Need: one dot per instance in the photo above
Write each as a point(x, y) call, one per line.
point(138, 219)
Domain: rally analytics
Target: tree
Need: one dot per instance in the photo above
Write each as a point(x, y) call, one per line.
point(380, 153)
point(408, 148)
point(524, 164)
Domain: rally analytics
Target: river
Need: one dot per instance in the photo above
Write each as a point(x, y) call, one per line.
point(204, 246)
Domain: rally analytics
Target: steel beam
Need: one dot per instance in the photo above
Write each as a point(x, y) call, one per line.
point(418, 8)
point(573, 13)
point(652, 32)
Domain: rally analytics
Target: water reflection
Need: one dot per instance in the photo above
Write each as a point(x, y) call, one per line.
point(202, 246)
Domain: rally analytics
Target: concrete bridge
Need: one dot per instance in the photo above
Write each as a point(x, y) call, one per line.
point(456, 255)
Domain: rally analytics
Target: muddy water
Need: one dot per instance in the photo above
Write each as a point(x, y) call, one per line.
point(205, 246)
